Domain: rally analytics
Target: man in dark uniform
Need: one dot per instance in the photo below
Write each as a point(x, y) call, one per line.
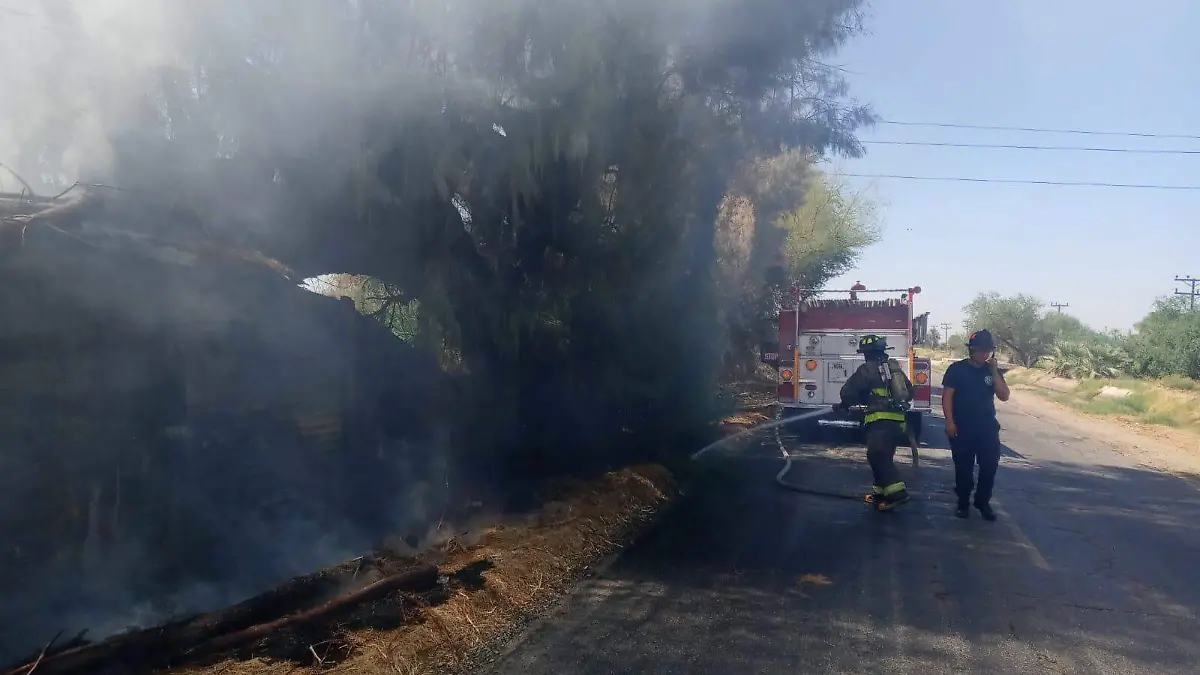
point(884, 420)
point(970, 388)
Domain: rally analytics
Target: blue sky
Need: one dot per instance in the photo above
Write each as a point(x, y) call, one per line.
point(1066, 64)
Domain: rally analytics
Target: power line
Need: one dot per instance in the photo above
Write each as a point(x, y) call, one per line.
point(1024, 181)
point(1006, 146)
point(1192, 293)
point(1014, 181)
point(1038, 130)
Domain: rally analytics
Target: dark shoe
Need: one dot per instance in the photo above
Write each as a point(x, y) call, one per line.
point(962, 512)
point(986, 511)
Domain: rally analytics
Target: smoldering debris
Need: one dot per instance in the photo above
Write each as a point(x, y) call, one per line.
point(384, 590)
point(321, 619)
point(277, 622)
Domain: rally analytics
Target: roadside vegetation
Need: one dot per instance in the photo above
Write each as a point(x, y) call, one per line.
point(1167, 402)
point(585, 213)
point(1150, 374)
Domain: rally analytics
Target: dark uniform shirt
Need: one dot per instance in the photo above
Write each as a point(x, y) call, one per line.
point(974, 402)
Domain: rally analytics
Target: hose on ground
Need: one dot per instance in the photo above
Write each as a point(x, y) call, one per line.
point(787, 466)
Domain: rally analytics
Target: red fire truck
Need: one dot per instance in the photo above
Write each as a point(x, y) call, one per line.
point(818, 347)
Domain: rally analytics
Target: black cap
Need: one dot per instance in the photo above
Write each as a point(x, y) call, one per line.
point(981, 339)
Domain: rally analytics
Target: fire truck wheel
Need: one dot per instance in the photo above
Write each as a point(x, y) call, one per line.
point(915, 421)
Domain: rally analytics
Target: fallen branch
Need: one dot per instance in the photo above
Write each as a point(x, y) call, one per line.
point(37, 662)
point(58, 208)
point(201, 636)
point(20, 180)
point(419, 578)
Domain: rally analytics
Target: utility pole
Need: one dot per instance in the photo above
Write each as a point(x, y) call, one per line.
point(945, 334)
point(1059, 306)
point(1191, 282)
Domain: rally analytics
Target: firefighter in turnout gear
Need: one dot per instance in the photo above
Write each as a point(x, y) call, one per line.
point(885, 403)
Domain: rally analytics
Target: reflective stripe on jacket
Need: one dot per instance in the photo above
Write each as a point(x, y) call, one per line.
point(892, 415)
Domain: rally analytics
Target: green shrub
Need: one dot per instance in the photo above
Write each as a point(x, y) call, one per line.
point(1086, 360)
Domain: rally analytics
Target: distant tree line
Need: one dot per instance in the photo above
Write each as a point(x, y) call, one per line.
point(1166, 343)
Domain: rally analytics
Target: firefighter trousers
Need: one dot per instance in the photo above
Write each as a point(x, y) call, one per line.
point(967, 450)
point(882, 438)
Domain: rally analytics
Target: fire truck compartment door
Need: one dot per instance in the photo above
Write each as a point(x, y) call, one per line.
point(839, 344)
point(838, 371)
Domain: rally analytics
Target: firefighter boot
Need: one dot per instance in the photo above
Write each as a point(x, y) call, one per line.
point(890, 496)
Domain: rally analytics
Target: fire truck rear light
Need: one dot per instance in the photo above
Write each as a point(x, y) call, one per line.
point(786, 373)
point(810, 364)
point(921, 377)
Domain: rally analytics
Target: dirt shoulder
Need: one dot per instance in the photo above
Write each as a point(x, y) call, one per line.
point(1155, 446)
point(1161, 447)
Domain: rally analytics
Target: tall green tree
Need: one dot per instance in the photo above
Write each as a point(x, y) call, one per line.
point(1167, 341)
point(807, 227)
point(1017, 322)
point(957, 344)
point(826, 232)
point(544, 180)
point(1065, 327)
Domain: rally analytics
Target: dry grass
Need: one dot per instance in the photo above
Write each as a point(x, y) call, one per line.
point(738, 422)
point(748, 414)
point(531, 562)
point(1164, 403)
point(749, 402)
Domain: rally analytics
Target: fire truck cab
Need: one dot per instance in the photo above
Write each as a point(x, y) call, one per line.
point(817, 348)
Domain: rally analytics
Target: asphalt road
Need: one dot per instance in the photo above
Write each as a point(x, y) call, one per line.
point(1094, 567)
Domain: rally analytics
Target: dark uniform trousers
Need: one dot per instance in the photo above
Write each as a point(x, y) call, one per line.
point(968, 449)
point(882, 438)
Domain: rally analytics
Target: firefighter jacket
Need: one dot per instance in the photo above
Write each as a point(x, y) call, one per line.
point(866, 387)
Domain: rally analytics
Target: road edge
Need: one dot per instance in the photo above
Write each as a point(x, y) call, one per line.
point(488, 657)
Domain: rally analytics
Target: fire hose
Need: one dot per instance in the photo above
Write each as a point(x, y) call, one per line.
point(787, 457)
